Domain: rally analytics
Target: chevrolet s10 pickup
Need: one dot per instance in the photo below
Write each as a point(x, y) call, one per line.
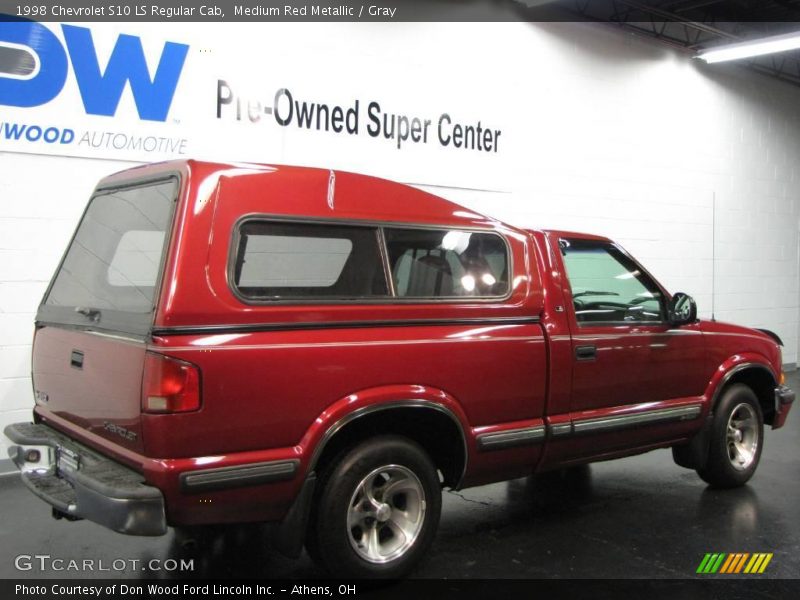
point(326, 351)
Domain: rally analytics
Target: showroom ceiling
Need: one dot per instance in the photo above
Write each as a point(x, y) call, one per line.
point(696, 25)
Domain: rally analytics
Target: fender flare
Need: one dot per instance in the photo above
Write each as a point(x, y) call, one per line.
point(718, 383)
point(374, 400)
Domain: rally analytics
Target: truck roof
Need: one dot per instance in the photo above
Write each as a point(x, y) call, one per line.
point(336, 194)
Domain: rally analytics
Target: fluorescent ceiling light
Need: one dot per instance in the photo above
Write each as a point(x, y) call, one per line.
point(769, 45)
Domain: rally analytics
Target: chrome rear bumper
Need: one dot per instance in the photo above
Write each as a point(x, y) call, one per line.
point(80, 483)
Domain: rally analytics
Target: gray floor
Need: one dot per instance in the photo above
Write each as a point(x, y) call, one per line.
point(640, 517)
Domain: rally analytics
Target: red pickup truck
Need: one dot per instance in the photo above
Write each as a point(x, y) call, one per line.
point(241, 343)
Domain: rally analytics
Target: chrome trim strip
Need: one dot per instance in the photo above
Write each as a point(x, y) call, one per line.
point(296, 326)
point(238, 476)
point(562, 429)
point(682, 413)
point(738, 335)
point(588, 337)
point(363, 344)
point(502, 440)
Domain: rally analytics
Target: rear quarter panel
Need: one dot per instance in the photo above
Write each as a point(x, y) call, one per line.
point(267, 389)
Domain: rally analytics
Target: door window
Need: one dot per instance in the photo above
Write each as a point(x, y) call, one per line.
point(607, 286)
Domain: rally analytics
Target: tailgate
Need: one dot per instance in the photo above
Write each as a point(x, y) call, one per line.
point(92, 380)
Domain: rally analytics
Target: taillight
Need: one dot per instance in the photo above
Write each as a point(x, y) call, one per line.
point(169, 385)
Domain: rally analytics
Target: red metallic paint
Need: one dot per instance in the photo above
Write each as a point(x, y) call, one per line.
point(273, 395)
point(105, 390)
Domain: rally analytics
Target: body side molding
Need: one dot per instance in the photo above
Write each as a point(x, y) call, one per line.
point(513, 438)
point(683, 413)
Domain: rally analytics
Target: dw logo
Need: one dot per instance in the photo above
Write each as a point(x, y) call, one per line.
point(34, 68)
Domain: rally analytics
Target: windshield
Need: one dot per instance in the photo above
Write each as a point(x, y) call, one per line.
point(109, 275)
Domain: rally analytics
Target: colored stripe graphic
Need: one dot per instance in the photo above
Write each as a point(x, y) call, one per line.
point(703, 564)
point(711, 563)
point(728, 564)
point(715, 566)
point(734, 563)
point(767, 558)
point(739, 566)
point(754, 564)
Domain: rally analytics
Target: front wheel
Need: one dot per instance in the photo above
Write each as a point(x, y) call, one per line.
point(377, 511)
point(737, 437)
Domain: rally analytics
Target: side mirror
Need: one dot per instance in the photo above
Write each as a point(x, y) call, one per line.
point(682, 309)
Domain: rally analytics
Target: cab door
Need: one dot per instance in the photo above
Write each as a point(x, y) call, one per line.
point(636, 381)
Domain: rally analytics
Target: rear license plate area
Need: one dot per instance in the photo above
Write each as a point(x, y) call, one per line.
point(67, 461)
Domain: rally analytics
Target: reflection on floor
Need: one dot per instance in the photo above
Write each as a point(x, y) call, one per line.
point(637, 517)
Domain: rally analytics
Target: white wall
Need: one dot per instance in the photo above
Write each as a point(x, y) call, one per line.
point(41, 199)
point(603, 132)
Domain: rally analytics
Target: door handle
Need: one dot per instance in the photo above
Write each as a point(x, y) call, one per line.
point(76, 359)
point(585, 352)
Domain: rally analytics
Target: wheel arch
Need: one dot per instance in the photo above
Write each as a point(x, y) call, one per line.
point(432, 425)
point(757, 376)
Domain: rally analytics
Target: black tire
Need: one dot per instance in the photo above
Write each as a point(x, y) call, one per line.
point(356, 530)
point(733, 457)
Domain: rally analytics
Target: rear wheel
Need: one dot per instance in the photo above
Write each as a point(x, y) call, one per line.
point(377, 511)
point(737, 437)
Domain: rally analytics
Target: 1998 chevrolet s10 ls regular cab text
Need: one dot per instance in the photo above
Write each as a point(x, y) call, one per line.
point(242, 343)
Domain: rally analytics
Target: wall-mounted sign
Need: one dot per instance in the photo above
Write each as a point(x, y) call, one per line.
point(156, 93)
point(357, 118)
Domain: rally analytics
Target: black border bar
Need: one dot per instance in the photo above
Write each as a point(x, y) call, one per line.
point(621, 12)
point(287, 10)
point(456, 589)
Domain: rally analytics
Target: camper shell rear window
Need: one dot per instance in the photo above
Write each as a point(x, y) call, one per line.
point(109, 277)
